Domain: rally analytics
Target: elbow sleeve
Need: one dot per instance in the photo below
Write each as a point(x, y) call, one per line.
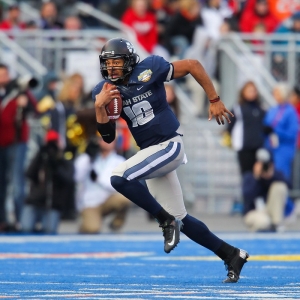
point(107, 131)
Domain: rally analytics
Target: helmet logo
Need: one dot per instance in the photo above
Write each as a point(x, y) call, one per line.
point(130, 47)
point(145, 76)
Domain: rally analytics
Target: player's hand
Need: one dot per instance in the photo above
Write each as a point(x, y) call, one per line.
point(219, 111)
point(108, 93)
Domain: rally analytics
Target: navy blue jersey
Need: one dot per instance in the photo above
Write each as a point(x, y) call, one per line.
point(145, 108)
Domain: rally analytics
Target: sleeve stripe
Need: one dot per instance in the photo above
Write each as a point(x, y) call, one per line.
point(170, 74)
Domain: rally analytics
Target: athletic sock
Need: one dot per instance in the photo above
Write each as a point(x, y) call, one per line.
point(137, 193)
point(225, 251)
point(163, 216)
point(199, 233)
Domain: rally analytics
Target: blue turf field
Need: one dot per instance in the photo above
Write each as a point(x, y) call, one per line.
point(134, 266)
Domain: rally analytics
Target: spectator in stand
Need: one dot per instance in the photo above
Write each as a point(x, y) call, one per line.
point(256, 12)
point(12, 21)
point(70, 96)
point(72, 93)
point(49, 87)
point(213, 15)
point(52, 111)
point(181, 28)
point(16, 102)
point(281, 128)
point(96, 198)
point(143, 22)
point(279, 67)
point(163, 10)
point(246, 128)
point(72, 23)
point(49, 21)
point(50, 175)
point(290, 25)
point(67, 100)
point(204, 47)
point(49, 16)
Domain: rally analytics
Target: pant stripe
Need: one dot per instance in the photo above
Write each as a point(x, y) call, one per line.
point(154, 162)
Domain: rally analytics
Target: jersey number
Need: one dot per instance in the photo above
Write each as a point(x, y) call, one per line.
point(140, 113)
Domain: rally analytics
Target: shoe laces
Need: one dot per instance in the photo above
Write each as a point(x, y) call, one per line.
point(227, 263)
point(167, 229)
point(228, 267)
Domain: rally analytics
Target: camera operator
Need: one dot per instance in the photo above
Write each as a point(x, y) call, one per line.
point(49, 174)
point(96, 198)
point(16, 102)
point(265, 195)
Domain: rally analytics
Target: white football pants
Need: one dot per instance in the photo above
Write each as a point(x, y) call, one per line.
point(157, 165)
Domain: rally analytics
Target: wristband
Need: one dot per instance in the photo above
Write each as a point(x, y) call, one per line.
point(107, 131)
point(215, 100)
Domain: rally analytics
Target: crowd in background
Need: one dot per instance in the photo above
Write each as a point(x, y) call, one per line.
point(70, 155)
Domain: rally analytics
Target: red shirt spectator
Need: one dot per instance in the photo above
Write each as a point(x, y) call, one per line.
point(257, 12)
point(143, 22)
point(8, 115)
point(13, 109)
point(13, 19)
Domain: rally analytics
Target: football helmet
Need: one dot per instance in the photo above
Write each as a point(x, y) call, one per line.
point(118, 48)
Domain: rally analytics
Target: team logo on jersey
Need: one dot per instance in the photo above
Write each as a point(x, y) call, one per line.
point(145, 76)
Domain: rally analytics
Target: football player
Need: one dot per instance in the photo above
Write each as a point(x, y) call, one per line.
point(156, 131)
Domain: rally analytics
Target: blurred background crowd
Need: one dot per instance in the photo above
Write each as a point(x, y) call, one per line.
point(53, 164)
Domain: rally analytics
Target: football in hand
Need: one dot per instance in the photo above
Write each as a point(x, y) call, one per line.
point(114, 108)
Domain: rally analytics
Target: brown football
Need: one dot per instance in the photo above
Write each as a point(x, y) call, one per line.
point(114, 108)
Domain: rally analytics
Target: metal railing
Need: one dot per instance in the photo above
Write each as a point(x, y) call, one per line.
point(25, 63)
point(264, 59)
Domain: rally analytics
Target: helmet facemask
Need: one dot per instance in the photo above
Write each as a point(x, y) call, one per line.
point(126, 68)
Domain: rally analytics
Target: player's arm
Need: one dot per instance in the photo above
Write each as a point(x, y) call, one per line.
point(105, 127)
point(195, 68)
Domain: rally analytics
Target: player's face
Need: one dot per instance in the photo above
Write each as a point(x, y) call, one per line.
point(115, 67)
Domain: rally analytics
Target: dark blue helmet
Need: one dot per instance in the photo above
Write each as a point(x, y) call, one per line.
point(118, 48)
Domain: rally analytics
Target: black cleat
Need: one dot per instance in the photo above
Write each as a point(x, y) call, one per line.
point(234, 265)
point(171, 232)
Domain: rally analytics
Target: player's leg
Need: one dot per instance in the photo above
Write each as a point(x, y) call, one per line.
point(168, 193)
point(148, 163)
point(154, 164)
